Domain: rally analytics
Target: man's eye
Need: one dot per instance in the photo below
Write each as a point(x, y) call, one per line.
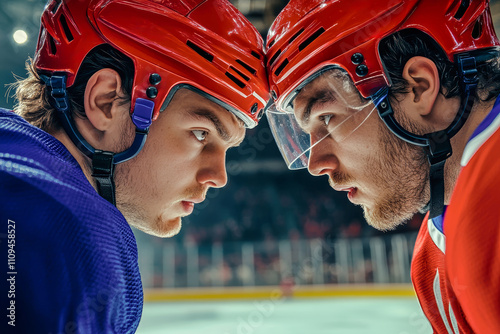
point(200, 134)
point(326, 119)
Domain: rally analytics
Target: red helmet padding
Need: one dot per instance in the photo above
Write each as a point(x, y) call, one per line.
point(155, 35)
point(351, 26)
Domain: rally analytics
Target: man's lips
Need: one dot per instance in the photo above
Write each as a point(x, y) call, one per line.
point(196, 200)
point(188, 205)
point(351, 191)
point(338, 188)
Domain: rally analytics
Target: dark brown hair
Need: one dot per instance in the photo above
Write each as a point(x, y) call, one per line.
point(398, 48)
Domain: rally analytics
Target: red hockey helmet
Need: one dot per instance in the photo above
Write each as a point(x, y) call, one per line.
point(205, 44)
point(309, 35)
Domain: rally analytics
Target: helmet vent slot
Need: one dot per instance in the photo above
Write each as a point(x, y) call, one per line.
point(296, 35)
point(52, 44)
point(462, 9)
point(67, 32)
point(478, 29)
point(56, 5)
point(236, 80)
point(311, 38)
point(247, 67)
point(241, 74)
point(276, 55)
point(281, 67)
point(255, 54)
point(200, 51)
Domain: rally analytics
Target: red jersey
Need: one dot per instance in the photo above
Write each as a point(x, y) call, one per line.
point(456, 260)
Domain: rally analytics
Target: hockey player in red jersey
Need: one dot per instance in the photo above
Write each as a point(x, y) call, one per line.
point(397, 102)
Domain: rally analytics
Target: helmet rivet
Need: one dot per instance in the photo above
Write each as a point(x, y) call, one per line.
point(152, 92)
point(253, 110)
point(154, 78)
point(383, 105)
point(357, 58)
point(362, 70)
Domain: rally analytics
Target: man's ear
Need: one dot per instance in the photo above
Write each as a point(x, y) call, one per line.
point(423, 103)
point(104, 109)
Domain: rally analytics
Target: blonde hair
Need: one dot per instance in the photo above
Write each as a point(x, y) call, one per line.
point(33, 104)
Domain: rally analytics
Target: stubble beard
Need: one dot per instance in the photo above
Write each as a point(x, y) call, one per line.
point(403, 178)
point(163, 223)
point(133, 209)
point(401, 174)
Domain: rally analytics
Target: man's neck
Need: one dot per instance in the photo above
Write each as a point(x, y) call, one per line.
point(452, 167)
point(82, 160)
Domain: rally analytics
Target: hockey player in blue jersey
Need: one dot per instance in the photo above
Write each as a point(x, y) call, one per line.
point(124, 119)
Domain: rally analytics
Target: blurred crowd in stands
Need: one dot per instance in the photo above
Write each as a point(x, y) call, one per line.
point(289, 206)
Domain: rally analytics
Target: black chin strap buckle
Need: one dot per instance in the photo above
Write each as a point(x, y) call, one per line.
point(467, 70)
point(439, 148)
point(57, 85)
point(102, 171)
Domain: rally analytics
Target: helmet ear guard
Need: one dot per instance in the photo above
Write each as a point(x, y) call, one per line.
point(103, 162)
point(437, 144)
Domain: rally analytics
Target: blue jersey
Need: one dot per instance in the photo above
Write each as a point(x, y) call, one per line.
point(68, 257)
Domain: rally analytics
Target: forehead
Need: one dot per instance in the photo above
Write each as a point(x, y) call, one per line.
point(188, 103)
point(335, 83)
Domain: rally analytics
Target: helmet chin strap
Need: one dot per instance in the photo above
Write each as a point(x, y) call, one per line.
point(103, 162)
point(437, 144)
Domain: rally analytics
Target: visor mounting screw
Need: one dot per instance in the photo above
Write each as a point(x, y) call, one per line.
point(362, 70)
point(154, 78)
point(261, 113)
point(152, 92)
point(357, 58)
point(273, 94)
point(253, 110)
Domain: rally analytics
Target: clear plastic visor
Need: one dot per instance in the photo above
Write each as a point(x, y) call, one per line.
point(327, 105)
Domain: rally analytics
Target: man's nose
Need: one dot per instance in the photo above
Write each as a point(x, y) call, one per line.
point(322, 159)
point(213, 169)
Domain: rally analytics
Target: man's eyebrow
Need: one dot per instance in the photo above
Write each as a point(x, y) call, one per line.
point(304, 119)
point(212, 117)
point(312, 101)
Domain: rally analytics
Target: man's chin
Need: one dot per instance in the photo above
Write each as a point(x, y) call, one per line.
point(384, 220)
point(166, 228)
point(162, 228)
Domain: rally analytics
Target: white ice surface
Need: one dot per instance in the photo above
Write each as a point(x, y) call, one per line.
point(316, 316)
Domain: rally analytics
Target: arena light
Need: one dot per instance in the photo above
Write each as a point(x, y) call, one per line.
point(20, 36)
